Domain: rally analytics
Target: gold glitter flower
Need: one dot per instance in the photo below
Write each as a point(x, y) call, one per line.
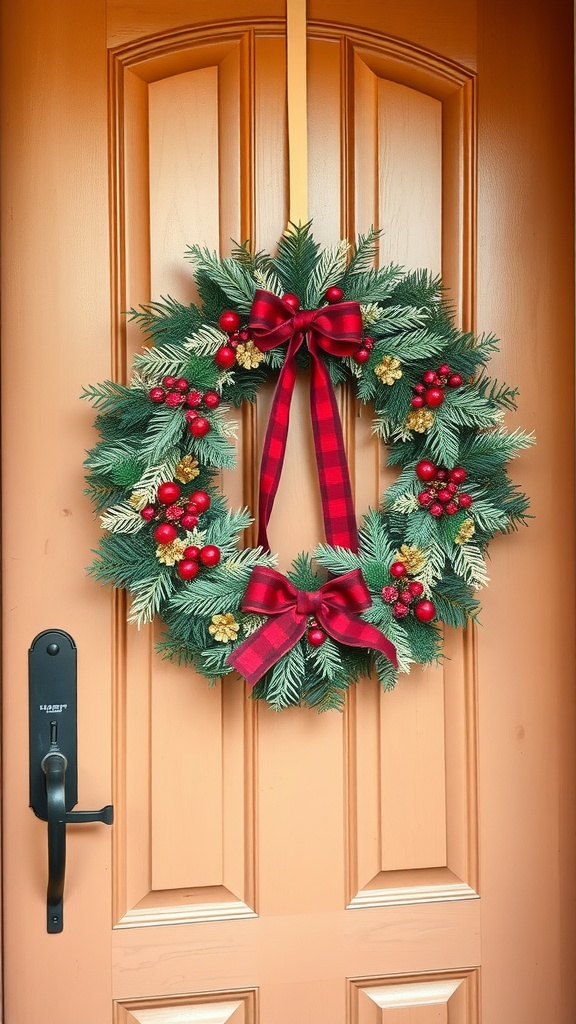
point(419, 420)
point(224, 628)
point(388, 370)
point(248, 356)
point(465, 532)
point(187, 469)
point(412, 557)
point(171, 553)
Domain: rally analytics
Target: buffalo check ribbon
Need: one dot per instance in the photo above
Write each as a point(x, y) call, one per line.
point(337, 330)
point(335, 607)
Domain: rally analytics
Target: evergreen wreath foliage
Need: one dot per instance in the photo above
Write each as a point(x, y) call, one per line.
point(408, 333)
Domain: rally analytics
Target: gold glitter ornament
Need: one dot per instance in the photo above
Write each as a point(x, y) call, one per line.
point(248, 356)
point(224, 628)
point(171, 553)
point(388, 370)
point(465, 532)
point(187, 469)
point(412, 557)
point(419, 420)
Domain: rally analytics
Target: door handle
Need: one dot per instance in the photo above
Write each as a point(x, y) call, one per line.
point(53, 756)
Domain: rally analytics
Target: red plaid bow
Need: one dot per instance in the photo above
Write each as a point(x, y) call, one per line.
point(336, 329)
point(335, 606)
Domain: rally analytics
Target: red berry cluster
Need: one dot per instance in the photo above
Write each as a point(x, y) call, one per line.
point(404, 597)
point(443, 494)
point(229, 322)
point(430, 390)
point(177, 391)
point(185, 514)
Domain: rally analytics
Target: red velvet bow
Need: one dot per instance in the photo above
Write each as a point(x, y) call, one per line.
point(337, 329)
point(335, 607)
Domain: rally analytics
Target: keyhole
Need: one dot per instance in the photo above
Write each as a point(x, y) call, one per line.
point(53, 734)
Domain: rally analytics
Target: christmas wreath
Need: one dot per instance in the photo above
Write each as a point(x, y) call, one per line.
point(373, 597)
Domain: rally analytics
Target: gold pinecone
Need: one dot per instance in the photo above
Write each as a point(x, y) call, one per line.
point(248, 356)
point(187, 469)
point(388, 370)
point(419, 420)
point(171, 553)
point(224, 628)
point(465, 532)
point(412, 557)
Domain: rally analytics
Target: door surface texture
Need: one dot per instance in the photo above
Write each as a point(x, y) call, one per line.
point(411, 859)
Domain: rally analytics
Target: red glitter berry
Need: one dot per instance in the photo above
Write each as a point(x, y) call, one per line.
point(455, 380)
point(436, 510)
point(429, 377)
point(174, 512)
point(189, 521)
point(443, 495)
point(424, 499)
point(451, 508)
point(444, 370)
point(157, 395)
point(182, 384)
point(193, 399)
point(452, 487)
point(416, 588)
point(417, 402)
point(333, 294)
point(419, 389)
point(368, 342)
point(442, 474)
point(389, 594)
point(174, 399)
point(169, 382)
point(465, 501)
point(458, 475)
point(148, 513)
point(406, 597)
point(190, 415)
point(400, 611)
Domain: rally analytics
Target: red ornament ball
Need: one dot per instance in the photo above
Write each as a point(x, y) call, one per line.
point(425, 470)
point(210, 555)
point(187, 569)
point(157, 395)
point(291, 300)
point(212, 399)
point(397, 569)
point(192, 552)
point(189, 521)
point(333, 294)
point(225, 357)
point(455, 380)
point(416, 588)
point(165, 533)
point(429, 377)
point(315, 636)
point(199, 426)
point(465, 501)
point(425, 611)
point(434, 397)
point(362, 355)
point(169, 492)
point(458, 475)
point(148, 513)
point(229, 321)
point(389, 594)
point(201, 500)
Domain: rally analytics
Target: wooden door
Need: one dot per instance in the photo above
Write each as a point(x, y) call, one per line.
point(413, 858)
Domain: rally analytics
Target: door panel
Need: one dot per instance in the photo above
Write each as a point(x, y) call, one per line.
point(270, 868)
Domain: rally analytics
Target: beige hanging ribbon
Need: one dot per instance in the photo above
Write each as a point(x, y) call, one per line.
point(297, 110)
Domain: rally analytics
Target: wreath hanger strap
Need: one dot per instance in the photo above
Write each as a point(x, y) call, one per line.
point(337, 330)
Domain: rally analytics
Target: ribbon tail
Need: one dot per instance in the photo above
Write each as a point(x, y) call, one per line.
point(274, 449)
point(262, 649)
point(353, 631)
point(340, 524)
